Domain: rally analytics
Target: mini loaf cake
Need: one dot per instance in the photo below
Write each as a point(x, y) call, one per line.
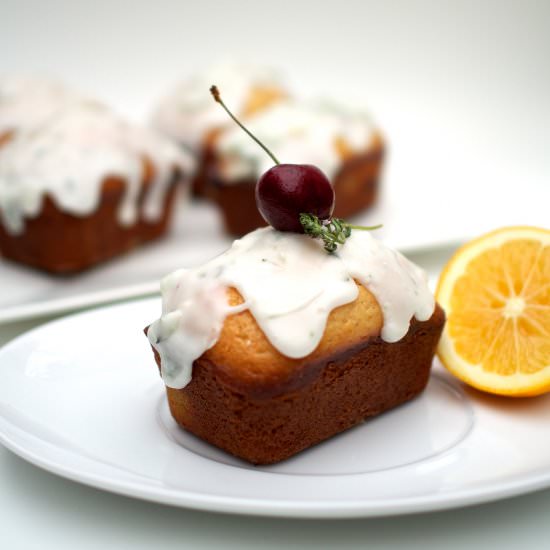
point(342, 143)
point(277, 345)
point(189, 116)
point(27, 101)
point(84, 186)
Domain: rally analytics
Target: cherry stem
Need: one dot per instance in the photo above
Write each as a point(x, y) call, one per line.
point(216, 95)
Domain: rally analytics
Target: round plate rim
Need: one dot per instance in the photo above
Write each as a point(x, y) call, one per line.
point(495, 490)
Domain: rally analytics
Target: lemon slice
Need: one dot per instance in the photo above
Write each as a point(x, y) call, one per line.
point(496, 294)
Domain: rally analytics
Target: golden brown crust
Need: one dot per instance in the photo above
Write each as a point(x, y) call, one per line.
point(62, 243)
point(5, 136)
point(265, 366)
point(355, 185)
point(261, 97)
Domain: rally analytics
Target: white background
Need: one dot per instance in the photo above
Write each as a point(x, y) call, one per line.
point(462, 91)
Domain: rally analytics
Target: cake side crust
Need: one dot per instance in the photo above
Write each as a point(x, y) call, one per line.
point(331, 396)
point(63, 243)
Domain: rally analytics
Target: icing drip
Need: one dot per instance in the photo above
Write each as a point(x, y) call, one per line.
point(298, 133)
point(290, 285)
point(188, 113)
point(69, 157)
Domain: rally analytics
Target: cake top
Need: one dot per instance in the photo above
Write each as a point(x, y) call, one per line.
point(290, 285)
point(188, 113)
point(316, 132)
point(26, 101)
point(69, 157)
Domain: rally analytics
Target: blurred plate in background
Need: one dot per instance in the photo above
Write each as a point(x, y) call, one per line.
point(197, 235)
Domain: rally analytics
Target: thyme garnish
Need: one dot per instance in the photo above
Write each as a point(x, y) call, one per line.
point(332, 232)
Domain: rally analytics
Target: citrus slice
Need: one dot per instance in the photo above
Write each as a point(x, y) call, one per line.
point(496, 294)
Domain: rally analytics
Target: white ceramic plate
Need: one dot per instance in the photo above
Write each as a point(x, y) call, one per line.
point(81, 397)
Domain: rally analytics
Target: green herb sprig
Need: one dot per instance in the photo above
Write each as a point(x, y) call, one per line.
point(332, 232)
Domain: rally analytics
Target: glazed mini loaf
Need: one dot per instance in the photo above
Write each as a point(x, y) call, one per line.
point(190, 117)
point(276, 345)
point(84, 186)
point(342, 143)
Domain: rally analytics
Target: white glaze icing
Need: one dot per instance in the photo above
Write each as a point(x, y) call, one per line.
point(304, 133)
point(26, 101)
point(188, 112)
point(71, 154)
point(290, 285)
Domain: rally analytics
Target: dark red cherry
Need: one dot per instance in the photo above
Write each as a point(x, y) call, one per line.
point(288, 190)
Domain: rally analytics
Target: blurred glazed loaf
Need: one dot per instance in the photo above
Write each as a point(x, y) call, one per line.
point(189, 115)
point(84, 186)
point(344, 144)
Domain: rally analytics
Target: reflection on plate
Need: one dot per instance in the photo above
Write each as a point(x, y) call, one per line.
point(437, 421)
point(81, 397)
